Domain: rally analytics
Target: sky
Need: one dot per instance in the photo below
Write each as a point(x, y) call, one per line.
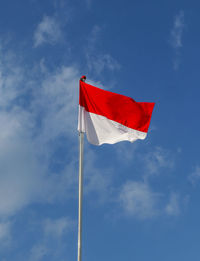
point(141, 199)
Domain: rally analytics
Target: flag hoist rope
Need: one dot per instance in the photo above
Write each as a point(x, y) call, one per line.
point(81, 143)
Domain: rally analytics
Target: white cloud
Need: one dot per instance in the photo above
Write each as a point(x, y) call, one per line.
point(56, 228)
point(97, 180)
point(153, 160)
point(38, 252)
point(94, 36)
point(173, 206)
point(10, 78)
point(98, 62)
point(15, 152)
point(29, 131)
point(50, 243)
point(5, 228)
point(158, 159)
point(176, 37)
point(128, 151)
point(47, 31)
point(137, 199)
point(194, 177)
point(36, 114)
point(58, 98)
point(177, 30)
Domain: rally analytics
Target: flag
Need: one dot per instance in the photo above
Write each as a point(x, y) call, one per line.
point(108, 117)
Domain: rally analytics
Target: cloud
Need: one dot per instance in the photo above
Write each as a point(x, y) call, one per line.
point(38, 252)
point(194, 177)
point(177, 30)
point(10, 78)
point(14, 140)
point(128, 151)
point(38, 118)
point(47, 31)
point(158, 159)
point(35, 113)
point(152, 159)
point(173, 206)
point(176, 37)
point(137, 199)
point(100, 63)
point(5, 232)
point(97, 62)
point(50, 243)
point(94, 38)
point(58, 99)
point(97, 180)
point(56, 228)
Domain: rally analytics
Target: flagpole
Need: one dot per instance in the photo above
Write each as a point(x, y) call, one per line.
point(81, 145)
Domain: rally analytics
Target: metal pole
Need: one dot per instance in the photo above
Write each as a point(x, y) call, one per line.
point(81, 139)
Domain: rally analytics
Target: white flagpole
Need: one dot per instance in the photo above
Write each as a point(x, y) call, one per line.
point(81, 143)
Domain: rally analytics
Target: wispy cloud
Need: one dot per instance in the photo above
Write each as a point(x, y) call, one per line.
point(154, 160)
point(47, 31)
point(30, 132)
point(173, 206)
point(177, 31)
point(101, 62)
point(194, 177)
point(176, 37)
point(98, 62)
point(5, 232)
point(137, 199)
point(38, 117)
point(56, 228)
point(50, 242)
point(97, 180)
point(157, 160)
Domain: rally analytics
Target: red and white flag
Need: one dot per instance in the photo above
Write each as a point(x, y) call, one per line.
point(108, 117)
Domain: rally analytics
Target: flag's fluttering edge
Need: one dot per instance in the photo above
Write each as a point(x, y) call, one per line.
point(107, 117)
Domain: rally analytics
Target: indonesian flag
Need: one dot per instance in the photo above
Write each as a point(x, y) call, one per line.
point(108, 117)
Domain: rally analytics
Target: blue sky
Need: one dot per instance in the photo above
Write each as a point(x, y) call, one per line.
point(141, 200)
